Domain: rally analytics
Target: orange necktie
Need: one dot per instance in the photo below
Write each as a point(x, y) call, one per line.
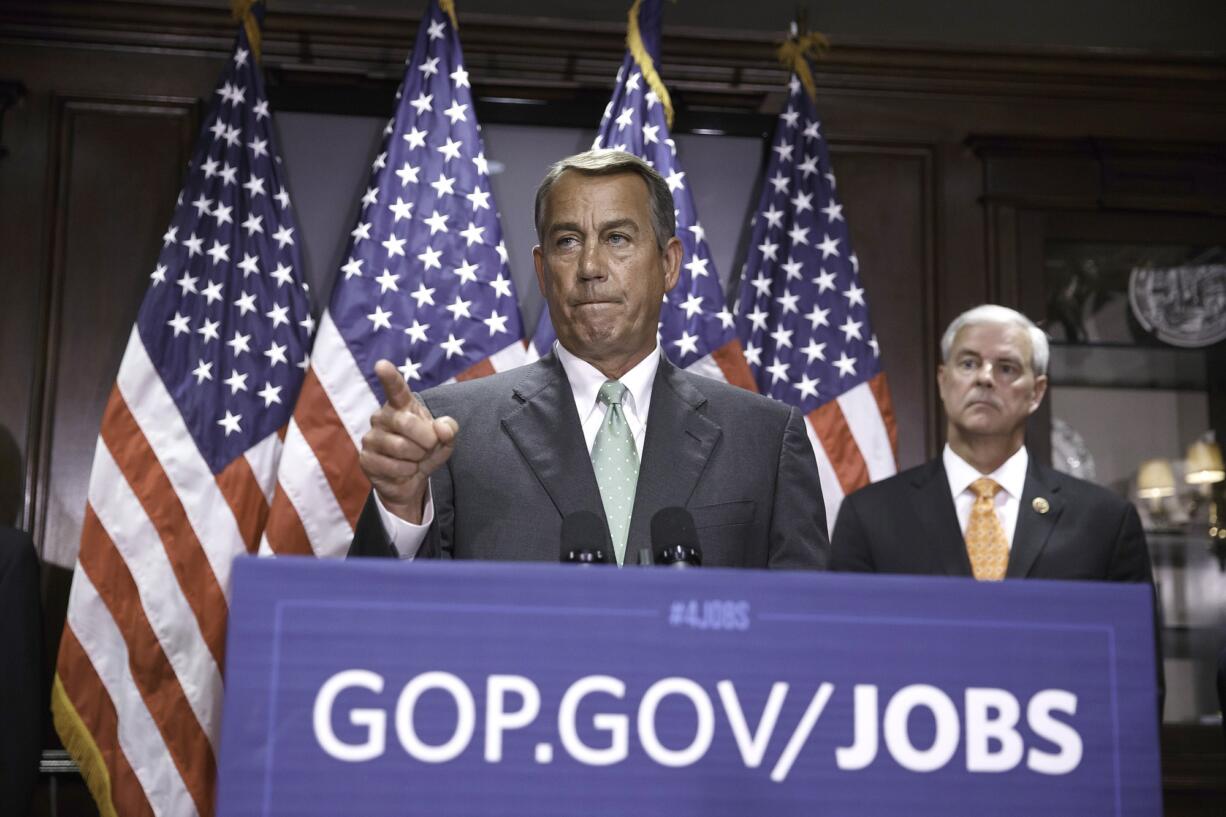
point(985, 536)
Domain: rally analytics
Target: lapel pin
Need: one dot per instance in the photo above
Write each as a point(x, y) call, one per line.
point(1040, 504)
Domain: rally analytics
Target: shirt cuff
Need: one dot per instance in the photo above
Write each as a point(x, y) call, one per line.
point(406, 537)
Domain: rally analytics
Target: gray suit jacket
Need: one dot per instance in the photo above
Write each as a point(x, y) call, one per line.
point(739, 462)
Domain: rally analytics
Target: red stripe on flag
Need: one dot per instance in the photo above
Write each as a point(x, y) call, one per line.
point(840, 445)
point(285, 534)
point(139, 464)
point(731, 361)
point(881, 392)
point(481, 368)
point(94, 707)
point(242, 491)
point(324, 432)
point(154, 676)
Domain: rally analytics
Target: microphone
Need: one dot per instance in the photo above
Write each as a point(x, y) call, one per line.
point(674, 542)
point(585, 539)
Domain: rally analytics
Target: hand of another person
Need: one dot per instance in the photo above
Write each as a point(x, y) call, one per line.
point(404, 446)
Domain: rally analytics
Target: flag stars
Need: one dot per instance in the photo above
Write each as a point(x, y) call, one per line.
point(456, 113)
point(260, 109)
point(798, 234)
point(170, 237)
point(429, 67)
point(278, 315)
point(791, 116)
point(467, 272)
point(179, 323)
point(423, 295)
point(158, 276)
point(253, 224)
point(259, 147)
point(780, 182)
point(271, 394)
point(239, 343)
point(415, 137)
point(792, 268)
point(459, 308)
point(237, 381)
point(275, 354)
point(851, 329)
point(726, 320)
point(410, 370)
point(824, 281)
point(187, 283)
point(429, 257)
point(450, 149)
point(231, 422)
point(436, 30)
point(213, 292)
point(496, 323)
point(692, 306)
point(379, 319)
point(202, 205)
point(401, 209)
point(282, 198)
point(757, 319)
point(394, 246)
point(219, 252)
point(352, 267)
point(443, 186)
point(245, 303)
point(774, 217)
point(811, 130)
point(437, 222)
point(814, 351)
point(452, 346)
point(784, 150)
point(802, 201)
point(625, 119)
point(833, 212)
point(649, 134)
point(687, 344)
point(829, 247)
point(360, 232)
point(782, 338)
point(697, 266)
point(283, 274)
point(808, 167)
point(762, 283)
point(753, 354)
point(817, 317)
point(460, 77)
point(482, 164)
point(283, 236)
point(854, 296)
point(501, 285)
point(787, 301)
point(203, 372)
point(807, 386)
point(254, 186)
point(407, 174)
point(846, 365)
point(387, 281)
point(769, 250)
point(480, 199)
point(473, 234)
point(423, 103)
point(778, 370)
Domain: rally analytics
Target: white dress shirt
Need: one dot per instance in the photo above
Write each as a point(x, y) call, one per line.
point(585, 382)
point(1011, 476)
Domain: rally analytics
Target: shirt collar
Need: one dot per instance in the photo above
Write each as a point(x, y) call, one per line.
point(586, 380)
point(1011, 475)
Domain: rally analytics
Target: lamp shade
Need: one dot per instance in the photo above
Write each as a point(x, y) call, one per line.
point(1204, 463)
point(1155, 479)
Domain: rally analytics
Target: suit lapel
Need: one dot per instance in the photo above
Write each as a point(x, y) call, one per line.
point(935, 509)
point(675, 450)
point(543, 424)
point(1034, 528)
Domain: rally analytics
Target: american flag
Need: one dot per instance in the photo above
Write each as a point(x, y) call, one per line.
point(802, 314)
point(697, 330)
point(425, 284)
point(184, 469)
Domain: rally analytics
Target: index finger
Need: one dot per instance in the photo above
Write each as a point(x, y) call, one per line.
point(399, 395)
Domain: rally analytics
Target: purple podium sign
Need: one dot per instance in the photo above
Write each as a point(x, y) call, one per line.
point(378, 688)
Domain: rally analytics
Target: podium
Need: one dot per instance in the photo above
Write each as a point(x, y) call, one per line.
point(380, 688)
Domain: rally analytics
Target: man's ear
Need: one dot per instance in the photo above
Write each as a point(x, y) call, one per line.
point(538, 261)
point(1040, 389)
point(673, 252)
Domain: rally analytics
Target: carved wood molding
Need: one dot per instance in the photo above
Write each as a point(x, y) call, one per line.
point(552, 59)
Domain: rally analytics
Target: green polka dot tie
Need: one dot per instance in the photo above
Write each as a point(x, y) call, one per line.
point(617, 466)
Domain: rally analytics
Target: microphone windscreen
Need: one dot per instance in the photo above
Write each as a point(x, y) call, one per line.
point(673, 526)
point(584, 532)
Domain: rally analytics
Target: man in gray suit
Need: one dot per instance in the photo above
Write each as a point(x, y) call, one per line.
point(604, 423)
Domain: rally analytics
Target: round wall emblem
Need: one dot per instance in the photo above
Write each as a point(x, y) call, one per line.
point(1184, 305)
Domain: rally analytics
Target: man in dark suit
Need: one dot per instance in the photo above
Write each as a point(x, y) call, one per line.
point(985, 507)
point(604, 423)
point(23, 696)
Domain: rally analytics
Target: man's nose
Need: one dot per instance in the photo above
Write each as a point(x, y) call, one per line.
point(983, 375)
point(591, 266)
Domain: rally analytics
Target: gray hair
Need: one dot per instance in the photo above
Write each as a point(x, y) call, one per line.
point(605, 162)
point(1000, 315)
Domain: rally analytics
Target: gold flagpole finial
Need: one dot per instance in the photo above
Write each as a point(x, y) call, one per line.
point(796, 51)
point(449, 7)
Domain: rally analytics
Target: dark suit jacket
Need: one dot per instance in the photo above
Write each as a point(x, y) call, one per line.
point(739, 462)
point(907, 524)
point(23, 693)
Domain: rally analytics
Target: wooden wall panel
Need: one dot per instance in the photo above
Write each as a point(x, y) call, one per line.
point(118, 165)
point(887, 195)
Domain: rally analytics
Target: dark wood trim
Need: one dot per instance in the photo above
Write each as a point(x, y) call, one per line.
point(64, 111)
